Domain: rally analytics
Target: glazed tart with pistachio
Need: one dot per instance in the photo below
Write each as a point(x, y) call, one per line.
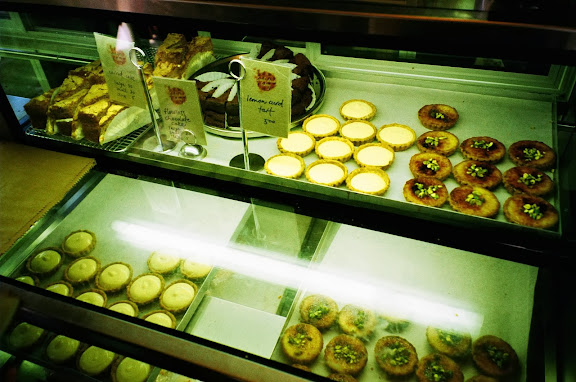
point(425, 190)
point(532, 153)
point(298, 142)
point(82, 270)
point(341, 377)
point(357, 321)
point(396, 356)
point(379, 155)
point(79, 243)
point(346, 354)
point(438, 116)
point(438, 142)
point(438, 367)
point(327, 172)
point(430, 164)
point(321, 125)
point(477, 173)
point(357, 109)
point(399, 137)
point(485, 149)
point(475, 201)
point(358, 132)
point(368, 180)
point(531, 211)
point(318, 310)
point(494, 357)
point(45, 261)
point(527, 180)
point(285, 165)
point(334, 148)
point(302, 343)
point(451, 343)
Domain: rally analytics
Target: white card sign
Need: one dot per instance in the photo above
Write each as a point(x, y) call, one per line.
point(266, 91)
point(122, 76)
point(179, 108)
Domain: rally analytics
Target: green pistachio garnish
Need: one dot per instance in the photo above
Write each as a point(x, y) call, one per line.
point(300, 339)
point(499, 357)
point(422, 191)
point(435, 372)
point(529, 179)
point(396, 355)
point(432, 164)
point(347, 353)
point(438, 115)
point(450, 337)
point(433, 141)
point(531, 154)
point(476, 171)
point(533, 210)
point(360, 319)
point(318, 311)
point(475, 198)
point(482, 144)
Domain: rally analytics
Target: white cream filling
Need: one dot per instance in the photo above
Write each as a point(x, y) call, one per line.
point(325, 173)
point(375, 156)
point(284, 166)
point(357, 130)
point(368, 181)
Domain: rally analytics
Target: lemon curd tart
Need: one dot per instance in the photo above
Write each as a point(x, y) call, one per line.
point(25, 335)
point(298, 143)
point(79, 243)
point(114, 277)
point(327, 172)
point(357, 109)
point(194, 270)
point(368, 180)
point(162, 318)
point(130, 370)
point(125, 307)
point(94, 297)
point(145, 288)
point(399, 137)
point(82, 270)
point(162, 262)
point(286, 165)
point(335, 148)
point(94, 361)
point(374, 155)
point(321, 125)
point(178, 296)
point(62, 349)
point(30, 280)
point(61, 287)
point(44, 262)
point(358, 131)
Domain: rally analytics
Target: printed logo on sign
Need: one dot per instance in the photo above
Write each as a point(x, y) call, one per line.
point(177, 95)
point(118, 56)
point(266, 81)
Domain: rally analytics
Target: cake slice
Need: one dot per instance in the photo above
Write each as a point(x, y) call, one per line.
point(96, 93)
point(178, 58)
point(37, 108)
point(61, 113)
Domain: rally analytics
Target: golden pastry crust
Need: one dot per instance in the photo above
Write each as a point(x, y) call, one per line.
point(163, 263)
point(45, 262)
point(358, 131)
point(116, 307)
point(320, 311)
point(527, 180)
point(475, 201)
point(368, 180)
point(531, 211)
point(438, 116)
point(321, 125)
point(61, 287)
point(302, 343)
point(437, 367)
point(485, 149)
point(426, 191)
point(286, 165)
point(93, 296)
point(194, 270)
point(144, 289)
point(178, 296)
point(298, 142)
point(494, 356)
point(449, 342)
point(326, 172)
point(82, 270)
point(161, 317)
point(396, 356)
point(379, 155)
point(114, 277)
point(128, 369)
point(399, 137)
point(79, 243)
point(357, 321)
point(334, 148)
point(439, 142)
point(346, 354)
point(357, 109)
point(340, 377)
point(532, 153)
point(430, 164)
point(477, 173)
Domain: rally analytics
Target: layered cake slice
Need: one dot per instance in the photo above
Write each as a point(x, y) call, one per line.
point(178, 58)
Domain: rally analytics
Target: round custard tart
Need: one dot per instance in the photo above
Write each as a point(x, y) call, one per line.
point(399, 137)
point(437, 367)
point(318, 310)
point(477, 173)
point(286, 165)
point(327, 172)
point(125, 307)
point(114, 277)
point(145, 288)
point(30, 280)
point(162, 262)
point(483, 149)
point(527, 180)
point(438, 116)
point(45, 262)
point(531, 211)
point(451, 343)
point(321, 125)
point(178, 296)
point(79, 243)
point(25, 335)
point(346, 354)
point(357, 321)
point(61, 287)
point(425, 190)
point(374, 155)
point(358, 131)
point(532, 153)
point(439, 142)
point(473, 200)
point(396, 356)
point(334, 148)
point(430, 164)
point(62, 349)
point(302, 343)
point(357, 109)
point(82, 270)
point(298, 143)
point(130, 370)
point(94, 361)
point(194, 270)
point(94, 297)
point(494, 357)
point(162, 318)
point(368, 180)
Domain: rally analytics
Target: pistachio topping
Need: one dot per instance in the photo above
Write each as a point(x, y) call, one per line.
point(476, 171)
point(450, 337)
point(346, 353)
point(481, 144)
point(475, 198)
point(435, 372)
point(318, 311)
point(396, 355)
point(438, 115)
point(533, 210)
point(433, 141)
point(432, 164)
point(300, 339)
point(529, 179)
point(422, 191)
point(498, 356)
point(360, 319)
point(531, 154)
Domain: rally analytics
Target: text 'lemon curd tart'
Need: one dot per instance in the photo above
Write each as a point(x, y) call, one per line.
point(438, 116)
point(82, 270)
point(327, 172)
point(368, 180)
point(114, 277)
point(285, 165)
point(79, 243)
point(399, 137)
point(358, 109)
point(45, 262)
point(334, 148)
point(178, 296)
point(439, 142)
point(358, 131)
point(321, 125)
point(298, 143)
point(145, 288)
point(379, 155)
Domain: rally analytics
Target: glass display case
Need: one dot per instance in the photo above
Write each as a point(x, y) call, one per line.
point(207, 259)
